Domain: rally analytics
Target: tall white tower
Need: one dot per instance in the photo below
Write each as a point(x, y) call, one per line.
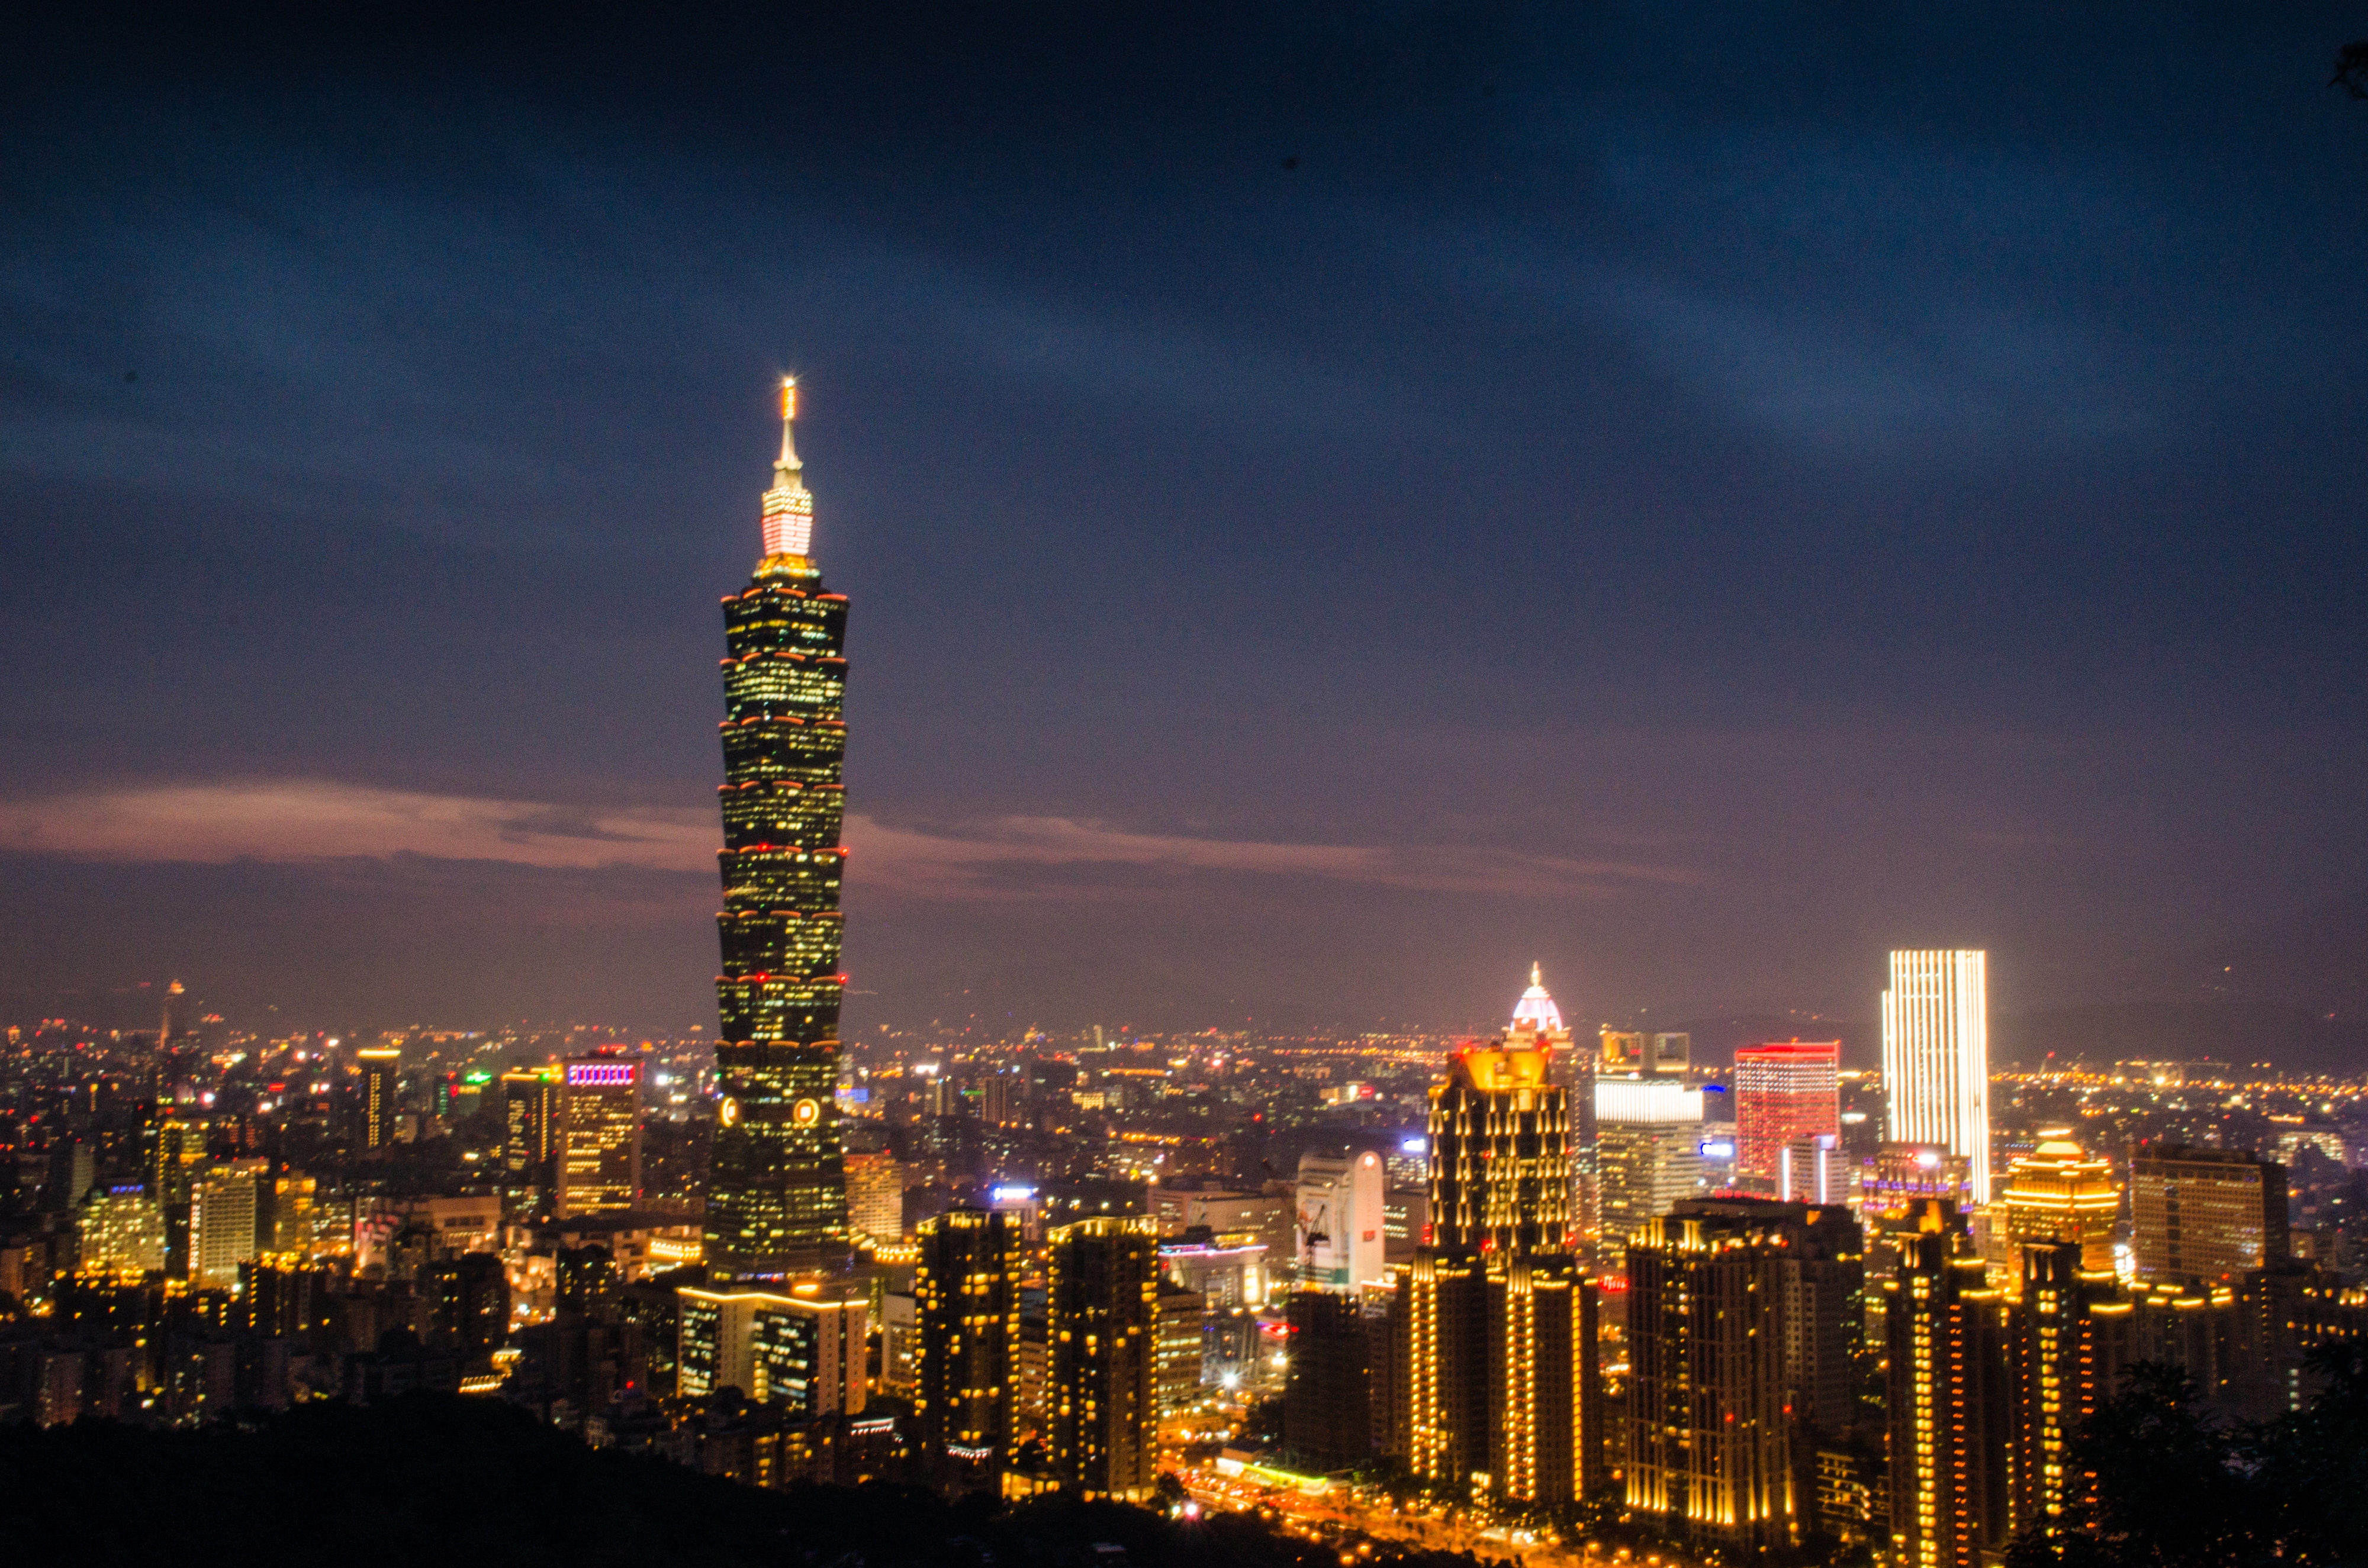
point(1936, 1055)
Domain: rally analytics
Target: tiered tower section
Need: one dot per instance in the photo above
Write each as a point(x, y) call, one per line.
point(776, 1203)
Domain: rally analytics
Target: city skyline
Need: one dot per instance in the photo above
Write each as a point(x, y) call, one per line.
point(1855, 578)
point(1910, 601)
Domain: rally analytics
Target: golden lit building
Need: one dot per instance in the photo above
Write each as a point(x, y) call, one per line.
point(2057, 1193)
point(800, 1349)
point(380, 1066)
point(530, 1125)
point(600, 1155)
point(1743, 1314)
point(120, 1230)
point(1538, 1025)
point(1182, 1315)
point(1102, 1393)
point(965, 1344)
point(221, 1224)
point(2204, 1213)
point(1947, 1337)
point(293, 1199)
point(1446, 1307)
point(1500, 1168)
point(875, 1195)
point(1546, 1437)
point(2071, 1346)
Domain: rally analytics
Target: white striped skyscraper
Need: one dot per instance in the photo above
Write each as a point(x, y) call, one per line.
point(1936, 1055)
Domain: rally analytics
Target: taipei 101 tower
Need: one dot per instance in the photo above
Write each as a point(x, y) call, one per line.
point(777, 1199)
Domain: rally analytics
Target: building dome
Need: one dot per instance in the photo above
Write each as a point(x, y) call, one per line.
point(1536, 1011)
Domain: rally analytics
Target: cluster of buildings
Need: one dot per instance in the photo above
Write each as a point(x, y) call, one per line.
point(1759, 1301)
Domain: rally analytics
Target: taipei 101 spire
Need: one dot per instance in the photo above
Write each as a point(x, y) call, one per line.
point(776, 1200)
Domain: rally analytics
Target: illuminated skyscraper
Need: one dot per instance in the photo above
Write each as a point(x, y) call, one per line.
point(600, 1136)
point(1537, 1022)
point(1444, 1297)
point(174, 1030)
point(966, 1312)
point(529, 1126)
point(379, 1065)
point(1102, 1392)
point(1546, 1431)
point(2202, 1213)
point(1744, 1315)
point(1495, 1360)
point(1936, 1055)
point(1501, 1151)
point(1785, 1094)
point(2057, 1193)
point(2065, 1367)
point(1948, 1343)
point(777, 1196)
point(1648, 1134)
point(222, 1225)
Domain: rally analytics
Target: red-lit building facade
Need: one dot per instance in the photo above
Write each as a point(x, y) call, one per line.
point(1787, 1094)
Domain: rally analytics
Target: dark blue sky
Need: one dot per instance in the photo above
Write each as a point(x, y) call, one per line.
point(1339, 503)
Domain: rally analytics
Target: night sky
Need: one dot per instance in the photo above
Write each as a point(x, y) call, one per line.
point(1338, 504)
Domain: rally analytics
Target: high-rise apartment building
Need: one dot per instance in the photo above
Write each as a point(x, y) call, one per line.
point(2202, 1213)
point(380, 1066)
point(875, 1195)
point(778, 1195)
point(2057, 1193)
point(1340, 1230)
point(1936, 1055)
point(1546, 1425)
point(2064, 1367)
point(600, 1155)
point(221, 1224)
point(1743, 1315)
point(1500, 1174)
point(120, 1230)
point(1787, 1092)
point(1102, 1393)
point(966, 1312)
point(1444, 1297)
point(530, 1127)
point(1183, 1314)
point(1947, 1342)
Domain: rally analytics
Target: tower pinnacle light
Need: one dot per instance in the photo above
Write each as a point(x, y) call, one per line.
point(787, 525)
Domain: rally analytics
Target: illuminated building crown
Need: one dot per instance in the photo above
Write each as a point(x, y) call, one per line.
point(789, 505)
point(1536, 1011)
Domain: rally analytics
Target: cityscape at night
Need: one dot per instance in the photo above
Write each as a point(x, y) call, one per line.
point(1490, 788)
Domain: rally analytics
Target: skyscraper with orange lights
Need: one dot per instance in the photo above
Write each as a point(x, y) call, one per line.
point(778, 1197)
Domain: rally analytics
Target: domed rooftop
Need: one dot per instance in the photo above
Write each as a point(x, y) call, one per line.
point(1536, 1011)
